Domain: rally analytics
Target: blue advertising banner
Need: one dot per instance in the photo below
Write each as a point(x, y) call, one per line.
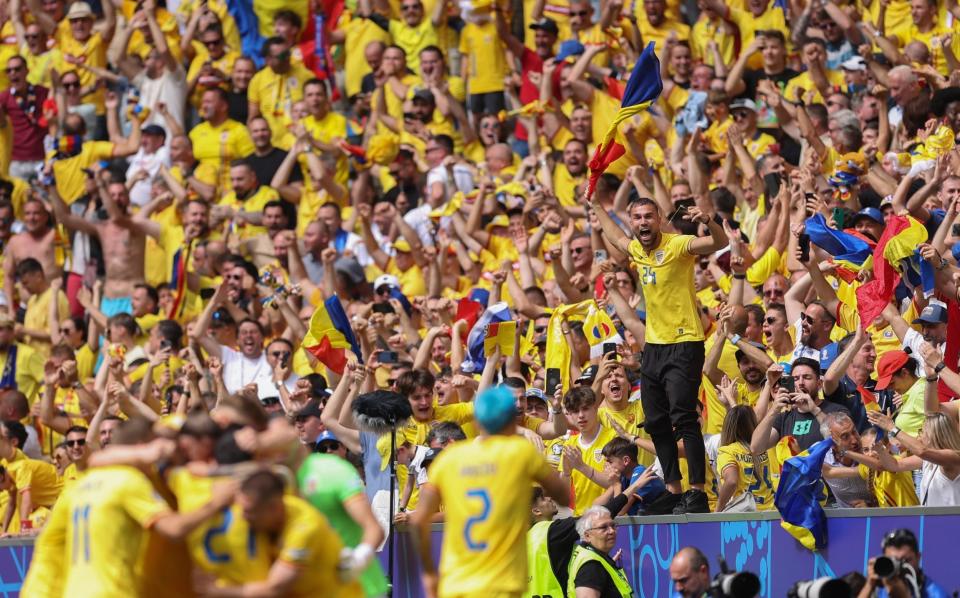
point(753, 542)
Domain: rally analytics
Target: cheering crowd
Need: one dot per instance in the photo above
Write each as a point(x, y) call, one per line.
point(235, 235)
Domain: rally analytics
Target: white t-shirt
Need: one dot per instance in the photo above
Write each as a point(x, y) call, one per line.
point(169, 88)
point(936, 489)
point(151, 163)
point(462, 179)
point(912, 340)
point(238, 370)
point(801, 350)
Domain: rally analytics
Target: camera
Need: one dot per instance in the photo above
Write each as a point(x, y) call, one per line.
point(885, 567)
point(734, 584)
point(823, 587)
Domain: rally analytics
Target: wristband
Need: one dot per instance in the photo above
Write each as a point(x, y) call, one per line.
point(26, 524)
point(740, 276)
point(363, 554)
point(894, 432)
point(939, 367)
point(932, 379)
point(735, 339)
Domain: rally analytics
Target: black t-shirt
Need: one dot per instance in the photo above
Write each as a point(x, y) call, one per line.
point(562, 537)
point(237, 106)
point(593, 575)
point(266, 166)
point(752, 77)
point(848, 396)
point(804, 426)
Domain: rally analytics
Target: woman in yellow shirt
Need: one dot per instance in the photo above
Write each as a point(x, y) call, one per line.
point(742, 473)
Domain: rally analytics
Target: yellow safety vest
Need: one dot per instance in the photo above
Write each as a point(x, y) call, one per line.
point(583, 555)
point(541, 582)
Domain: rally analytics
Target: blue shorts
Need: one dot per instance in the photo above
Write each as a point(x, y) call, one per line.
point(117, 305)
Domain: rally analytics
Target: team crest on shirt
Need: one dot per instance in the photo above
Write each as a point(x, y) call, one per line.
point(658, 256)
point(557, 449)
point(598, 455)
point(887, 334)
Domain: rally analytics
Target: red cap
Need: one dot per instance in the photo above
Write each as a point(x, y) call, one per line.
point(891, 363)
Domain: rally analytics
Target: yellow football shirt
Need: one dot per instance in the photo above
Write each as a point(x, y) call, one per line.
point(92, 52)
point(749, 25)
point(629, 419)
point(325, 130)
point(485, 485)
point(891, 489)
point(666, 275)
point(110, 510)
point(48, 568)
point(222, 546)
point(275, 93)
point(359, 32)
point(585, 491)
point(216, 147)
point(309, 543)
point(414, 39)
point(69, 172)
point(38, 315)
point(753, 479)
point(706, 29)
point(253, 205)
point(480, 45)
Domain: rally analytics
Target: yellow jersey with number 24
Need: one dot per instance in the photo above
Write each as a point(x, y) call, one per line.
point(666, 274)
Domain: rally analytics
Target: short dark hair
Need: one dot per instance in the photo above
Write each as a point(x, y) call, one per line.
point(408, 382)
point(220, 92)
point(151, 292)
point(775, 34)
point(642, 201)
point(579, 397)
point(262, 486)
point(135, 430)
point(276, 40)
point(444, 432)
point(28, 265)
point(899, 538)
point(124, 319)
point(514, 382)
point(171, 331)
point(315, 81)
point(806, 361)
point(16, 431)
point(619, 447)
point(76, 429)
point(289, 16)
point(444, 141)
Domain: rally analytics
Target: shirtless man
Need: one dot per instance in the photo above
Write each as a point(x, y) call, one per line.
point(122, 239)
point(36, 241)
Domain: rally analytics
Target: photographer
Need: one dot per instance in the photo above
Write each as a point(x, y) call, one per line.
point(900, 546)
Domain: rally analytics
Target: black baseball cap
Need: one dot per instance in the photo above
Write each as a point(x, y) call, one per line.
point(546, 24)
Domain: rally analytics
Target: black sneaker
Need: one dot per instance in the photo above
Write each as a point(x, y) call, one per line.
point(663, 504)
point(692, 501)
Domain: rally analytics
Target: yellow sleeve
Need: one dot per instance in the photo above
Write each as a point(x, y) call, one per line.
point(764, 267)
point(140, 500)
point(725, 458)
point(102, 150)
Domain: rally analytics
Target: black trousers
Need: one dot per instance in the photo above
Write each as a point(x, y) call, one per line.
point(670, 384)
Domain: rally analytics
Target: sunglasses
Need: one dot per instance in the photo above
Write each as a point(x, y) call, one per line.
point(808, 319)
point(328, 446)
point(14, 69)
point(383, 290)
point(66, 331)
point(770, 320)
point(72, 85)
point(213, 42)
point(77, 442)
point(539, 329)
point(739, 115)
point(578, 249)
point(410, 7)
point(580, 13)
point(773, 293)
point(280, 354)
point(270, 401)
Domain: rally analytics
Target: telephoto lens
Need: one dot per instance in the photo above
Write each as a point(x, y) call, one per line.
point(742, 584)
point(824, 587)
point(885, 567)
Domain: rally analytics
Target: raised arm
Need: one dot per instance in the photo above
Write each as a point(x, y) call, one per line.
point(349, 385)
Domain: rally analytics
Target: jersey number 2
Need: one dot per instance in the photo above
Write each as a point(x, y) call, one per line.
point(482, 495)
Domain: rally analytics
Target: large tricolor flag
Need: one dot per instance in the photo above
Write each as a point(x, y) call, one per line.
point(476, 356)
point(798, 496)
point(896, 254)
point(643, 89)
point(849, 249)
point(330, 335)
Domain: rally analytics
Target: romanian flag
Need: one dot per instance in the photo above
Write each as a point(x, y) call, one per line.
point(798, 496)
point(330, 335)
point(476, 357)
point(503, 335)
point(849, 249)
point(643, 89)
point(895, 250)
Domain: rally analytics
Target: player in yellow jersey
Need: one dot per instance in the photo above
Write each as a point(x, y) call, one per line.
point(674, 353)
point(582, 462)
point(48, 569)
point(107, 512)
point(306, 548)
point(485, 487)
point(745, 476)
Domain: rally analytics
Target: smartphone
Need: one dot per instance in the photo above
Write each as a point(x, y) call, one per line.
point(601, 255)
point(955, 229)
point(771, 185)
point(552, 381)
point(786, 382)
point(165, 344)
point(609, 348)
point(388, 357)
point(804, 241)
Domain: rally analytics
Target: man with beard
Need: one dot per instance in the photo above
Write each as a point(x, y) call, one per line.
point(270, 247)
point(570, 173)
point(674, 353)
point(219, 139)
point(816, 320)
point(752, 362)
point(933, 329)
point(274, 89)
point(613, 388)
point(266, 159)
point(800, 413)
point(244, 205)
